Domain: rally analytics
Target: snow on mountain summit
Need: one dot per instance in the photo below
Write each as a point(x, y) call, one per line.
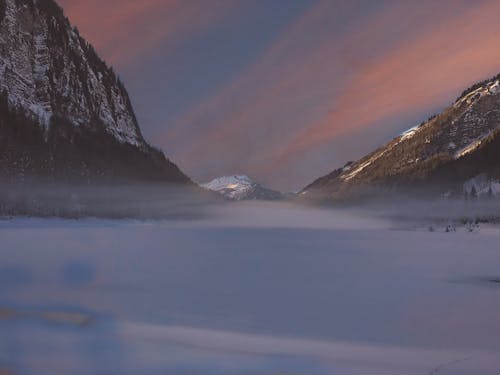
point(240, 187)
point(236, 182)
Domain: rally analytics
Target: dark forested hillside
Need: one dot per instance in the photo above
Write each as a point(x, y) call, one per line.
point(64, 114)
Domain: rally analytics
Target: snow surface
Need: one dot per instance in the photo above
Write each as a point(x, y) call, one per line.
point(409, 133)
point(359, 168)
point(489, 88)
point(353, 172)
point(472, 145)
point(255, 289)
point(494, 88)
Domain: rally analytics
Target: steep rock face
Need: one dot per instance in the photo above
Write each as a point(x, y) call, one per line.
point(72, 114)
point(47, 68)
point(441, 153)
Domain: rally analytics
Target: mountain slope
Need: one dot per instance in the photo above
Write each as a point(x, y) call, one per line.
point(241, 188)
point(441, 153)
point(65, 115)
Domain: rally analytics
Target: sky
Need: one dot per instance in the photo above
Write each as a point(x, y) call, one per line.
point(286, 91)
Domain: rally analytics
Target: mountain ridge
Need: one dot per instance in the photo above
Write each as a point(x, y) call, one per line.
point(65, 114)
point(438, 155)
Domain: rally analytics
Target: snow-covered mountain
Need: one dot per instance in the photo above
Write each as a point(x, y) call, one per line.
point(241, 188)
point(440, 154)
point(63, 110)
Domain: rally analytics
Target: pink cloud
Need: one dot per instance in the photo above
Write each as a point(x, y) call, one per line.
point(129, 31)
point(415, 74)
point(315, 83)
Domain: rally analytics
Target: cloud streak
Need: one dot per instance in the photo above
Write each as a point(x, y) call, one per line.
point(128, 31)
point(412, 76)
point(321, 80)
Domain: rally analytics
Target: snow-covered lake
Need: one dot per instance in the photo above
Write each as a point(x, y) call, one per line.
point(255, 289)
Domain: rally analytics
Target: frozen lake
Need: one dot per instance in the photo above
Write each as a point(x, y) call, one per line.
point(255, 289)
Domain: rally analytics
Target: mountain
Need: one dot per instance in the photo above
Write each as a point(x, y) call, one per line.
point(443, 154)
point(64, 114)
point(241, 188)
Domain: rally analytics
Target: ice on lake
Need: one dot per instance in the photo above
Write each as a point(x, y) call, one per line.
point(254, 289)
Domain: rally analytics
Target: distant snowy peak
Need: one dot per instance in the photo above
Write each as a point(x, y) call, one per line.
point(241, 183)
point(240, 187)
point(48, 70)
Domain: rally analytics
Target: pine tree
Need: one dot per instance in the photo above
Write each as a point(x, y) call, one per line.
point(473, 192)
point(491, 195)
